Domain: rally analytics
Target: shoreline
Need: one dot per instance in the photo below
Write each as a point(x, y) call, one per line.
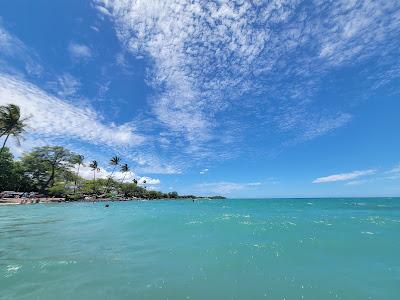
point(23, 201)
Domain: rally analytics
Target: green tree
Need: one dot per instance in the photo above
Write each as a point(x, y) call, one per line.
point(77, 160)
point(22, 181)
point(95, 168)
point(58, 190)
point(46, 164)
point(115, 161)
point(129, 189)
point(6, 170)
point(124, 169)
point(11, 123)
point(173, 195)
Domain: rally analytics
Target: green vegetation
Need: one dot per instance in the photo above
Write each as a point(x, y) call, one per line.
point(55, 171)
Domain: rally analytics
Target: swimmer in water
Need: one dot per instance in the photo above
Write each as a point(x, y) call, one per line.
point(107, 205)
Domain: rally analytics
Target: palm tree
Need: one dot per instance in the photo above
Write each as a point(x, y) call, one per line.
point(124, 169)
point(79, 161)
point(11, 123)
point(95, 168)
point(115, 161)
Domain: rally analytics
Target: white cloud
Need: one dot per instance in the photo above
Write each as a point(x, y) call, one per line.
point(208, 54)
point(204, 171)
point(394, 173)
point(254, 184)
point(55, 121)
point(394, 170)
point(357, 182)
point(49, 116)
point(79, 51)
point(344, 176)
point(87, 173)
point(67, 85)
point(102, 10)
point(11, 47)
point(311, 126)
point(224, 188)
point(149, 181)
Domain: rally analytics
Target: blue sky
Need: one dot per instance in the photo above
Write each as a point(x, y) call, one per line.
point(240, 98)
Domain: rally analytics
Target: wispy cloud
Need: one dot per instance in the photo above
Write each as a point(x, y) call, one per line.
point(79, 51)
point(65, 85)
point(204, 171)
point(12, 48)
point(394, 170)
point(50, 116)
point(224, 188)
point(206, 55)
point(357, 182)
point(54, 120)
point(344, 176)
point(393, 173)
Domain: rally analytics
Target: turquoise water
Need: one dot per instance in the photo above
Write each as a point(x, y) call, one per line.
point(231, 249)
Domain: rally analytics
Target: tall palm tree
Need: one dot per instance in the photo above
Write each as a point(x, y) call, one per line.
point(78, 161)
point(95, 168)
point(124, 169)
point(115, 161)
point(11, 123)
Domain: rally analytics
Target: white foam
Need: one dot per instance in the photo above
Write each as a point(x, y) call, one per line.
point(367, 232)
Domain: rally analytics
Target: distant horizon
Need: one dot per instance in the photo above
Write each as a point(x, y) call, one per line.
point(336, 197)
point(231, 98)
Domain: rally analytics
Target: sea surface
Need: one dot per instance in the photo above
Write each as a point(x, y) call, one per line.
point(220, 249)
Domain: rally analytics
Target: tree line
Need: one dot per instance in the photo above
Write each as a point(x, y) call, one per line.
point(55, 170)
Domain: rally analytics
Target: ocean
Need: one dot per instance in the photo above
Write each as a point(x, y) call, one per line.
point(208, 249)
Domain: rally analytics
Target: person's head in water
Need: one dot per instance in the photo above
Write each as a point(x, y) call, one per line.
point(107, 205)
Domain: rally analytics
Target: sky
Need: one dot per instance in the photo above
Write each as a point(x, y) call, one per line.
point(278, 98)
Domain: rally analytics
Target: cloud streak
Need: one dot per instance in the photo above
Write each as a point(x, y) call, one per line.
point(225, 188)
point(12, 49)
point(50, 116)
point(344, 176)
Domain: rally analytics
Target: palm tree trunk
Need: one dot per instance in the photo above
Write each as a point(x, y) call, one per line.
point(109, 179)
point(94, 179)
point(122, 181)
point(76, 180)
point(4, 144)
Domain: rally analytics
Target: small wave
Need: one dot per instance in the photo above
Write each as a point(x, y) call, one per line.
point(367, 232)
point(245, 223)
point(194, 222)
point(45, 264)
point(12, 269)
